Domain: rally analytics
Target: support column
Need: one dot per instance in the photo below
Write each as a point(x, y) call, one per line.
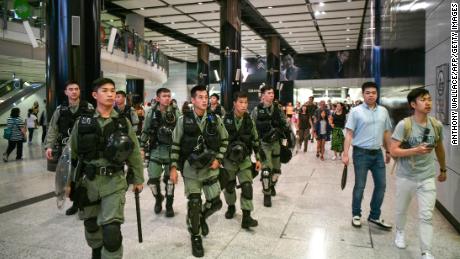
point(203, 64)
point(135, 90)
point(230, 51)
point(90, 54)
point(376, 51)
point(273, 61)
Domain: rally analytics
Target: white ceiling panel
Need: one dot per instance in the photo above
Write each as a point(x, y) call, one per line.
point(174, 2)
point(294, 17)
point(283, 10)
point(195, 8)
point(340, 27)
point(338, 6)
point(339, 21)
point(207, 35)
point(184, 25)
point(342, 32)
point(196, 30)
point(298, 35)
point(212, 23)
point(175, 18)
point(139, 3)
point(261, 3)
point(297, 29)
point(278, 25)
point(206, 16)
point(328, 15)
point(332, 37)
point(157, 11)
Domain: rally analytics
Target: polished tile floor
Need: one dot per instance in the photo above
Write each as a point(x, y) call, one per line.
point(310, 218)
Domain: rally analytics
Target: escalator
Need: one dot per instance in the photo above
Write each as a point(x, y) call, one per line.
point(12, 93)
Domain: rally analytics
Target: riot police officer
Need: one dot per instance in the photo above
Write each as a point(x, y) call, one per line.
point(156, 138)
point(126, 110)
point(215, 107)
point(272, 128)
point(102, 144)
point(62, 121)
point(199, 144)
point(243, 139)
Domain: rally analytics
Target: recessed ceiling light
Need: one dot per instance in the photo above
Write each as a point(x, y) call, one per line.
point(321, 4)
point(142, 8)
point(323, 12)
point(290, 32)
point(270, 7)
point(195, 33)
point(280, 22)
point(348, 46)
point(348, 18)
point(212, 41)
point(348, 29)
point(317, 13)
point(186, 47)
point(172, 22)
point(111, 20)
point(253, 39)
point(167, 40)
point(348, 38)
point(200, 3)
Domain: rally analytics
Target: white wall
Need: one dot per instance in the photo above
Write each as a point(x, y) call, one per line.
point(177, 83)
point(437, 52)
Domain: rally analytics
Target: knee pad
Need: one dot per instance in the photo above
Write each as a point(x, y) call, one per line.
point(266, 179)
point(91, 225)
point(246, 190)
point(230, 188)
point(154, 184)
point(210, 207)
point(194, 213)
point(111, 236)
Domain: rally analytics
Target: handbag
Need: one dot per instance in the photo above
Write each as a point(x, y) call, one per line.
point(7, 133)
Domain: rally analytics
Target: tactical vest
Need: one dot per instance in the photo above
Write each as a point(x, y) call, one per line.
point(162, 127)
point(265, 122)
point(192, 132)
point(217, 111)
point(126, 112)
point(244, 134)
point(92, 139)
point(67, 118)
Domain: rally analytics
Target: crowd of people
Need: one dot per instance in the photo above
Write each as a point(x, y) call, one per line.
point(217, 151)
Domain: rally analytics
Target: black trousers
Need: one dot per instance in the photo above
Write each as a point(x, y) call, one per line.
point(43, 133)
point(12, 145)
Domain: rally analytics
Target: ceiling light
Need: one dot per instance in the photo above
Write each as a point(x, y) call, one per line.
point(142, 9)
point(200, 3)
point(212, 41)
point(253, 39)
point(348, 38)
point(348, 46)
point(195, 33)
point(111, 20)
point(348, 18)
point(167, 40)
point(280, 22)
point(270, 7)
point(317, 13)
point(290, 32)
point(172, 22)
point(186, 47)
point(321, 4)
point(348, 29)
point(323, 12)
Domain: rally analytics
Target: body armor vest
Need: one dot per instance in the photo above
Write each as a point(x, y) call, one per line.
point(67, 118)
point(192, 133)
point(217, 111)
point(93, 140)
point(266, 122)
point(162, 127)
point(244, 134)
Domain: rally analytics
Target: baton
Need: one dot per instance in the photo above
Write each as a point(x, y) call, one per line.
point(138, 216)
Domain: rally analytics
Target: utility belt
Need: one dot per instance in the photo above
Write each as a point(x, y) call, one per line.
point(372, 152)
point(91, 171)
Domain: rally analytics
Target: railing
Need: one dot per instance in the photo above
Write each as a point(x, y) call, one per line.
point(130, 42)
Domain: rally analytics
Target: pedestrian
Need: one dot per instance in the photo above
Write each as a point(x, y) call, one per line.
point(323, 131)
point(35, 109)
point(415, 142)
point(15, 126)
point(199, 144)
point(338, 124)
point(215, 107)
point(102, 143)
point(62, 122)
point(43, 121)
point(304, 125)
point(316, 117)
point(243, 140)
point(368, 128)
point(289, 110)
point(272, 129)
point(156, 140)
point(32, 124)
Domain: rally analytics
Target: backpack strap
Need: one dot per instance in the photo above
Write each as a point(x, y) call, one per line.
point(407, 128)
point(437, 128)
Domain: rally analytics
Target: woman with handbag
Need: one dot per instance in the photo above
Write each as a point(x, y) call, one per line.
point(15, 125)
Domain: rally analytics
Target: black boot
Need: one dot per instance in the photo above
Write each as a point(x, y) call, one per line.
point(169, 206)
point(204, 227)
point(230, 212)
point(247, 221)
point(72, 210)
point(273, 191)
point(158, 206)
point(267, 200)
point(197, 246)
point(96, 254)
